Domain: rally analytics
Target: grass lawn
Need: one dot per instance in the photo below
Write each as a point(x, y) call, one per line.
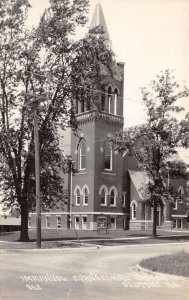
point(175, 264)
point(60, 238)
point(62, 234)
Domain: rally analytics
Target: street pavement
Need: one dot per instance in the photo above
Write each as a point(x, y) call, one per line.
point(89, 273)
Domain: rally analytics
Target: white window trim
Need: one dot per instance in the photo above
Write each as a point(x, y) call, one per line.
point(106, 194)
point(181, 223)
point(115, 223)
point(182, 193)
point(176, 220)
point(132, 211)
point(80, 148)
point(76, 222)
point(124, 199)
point(83, 189)
point(115, 196)
point(115, 102)
point(57, 223)
point(109, 98)
point(111, 159)
point(82, 222)
point(29, 221)
point(75, 194)
point(175, 205)
point(48, 218)
point(84, 216)
point(175, 223)
point(109, 103)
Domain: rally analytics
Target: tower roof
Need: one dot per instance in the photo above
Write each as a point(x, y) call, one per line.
point(99, 20)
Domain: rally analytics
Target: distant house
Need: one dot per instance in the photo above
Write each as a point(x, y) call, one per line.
point(9, 223)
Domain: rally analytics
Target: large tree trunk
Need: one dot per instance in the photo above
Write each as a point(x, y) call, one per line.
point(24, 237)
point(155, 220)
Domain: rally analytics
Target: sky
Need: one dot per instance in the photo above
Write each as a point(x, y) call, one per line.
point(149, 36)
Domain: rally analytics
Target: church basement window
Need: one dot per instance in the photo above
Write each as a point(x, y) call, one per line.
point(58, 221)
point(76, 222)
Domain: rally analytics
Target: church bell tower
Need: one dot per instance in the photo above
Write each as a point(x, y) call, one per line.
point(97, 184)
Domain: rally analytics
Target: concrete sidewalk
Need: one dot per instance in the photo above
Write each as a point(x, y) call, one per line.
point(58, 238)
point(62, 234)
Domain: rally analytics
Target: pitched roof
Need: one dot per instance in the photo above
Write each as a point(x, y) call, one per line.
point(99, 20)
point(9, 220)
point(139, 180)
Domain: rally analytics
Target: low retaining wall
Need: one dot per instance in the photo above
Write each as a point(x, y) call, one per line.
point(140, 225)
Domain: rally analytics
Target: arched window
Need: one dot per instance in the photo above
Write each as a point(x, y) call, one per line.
point(113, 198)
point(180, 194)
point(29, 221)
point(103, 97)
point(82, 106)
point(82, 155)
point(103, 198)
point(133, 209)
point(109, 98)
point(124, 199)
point(85, 196)
point(77, 194)
point(76, 106)
point(103, 195)
point(88, 106)
point(115, 101)
point(175, 204)
point(108, 156)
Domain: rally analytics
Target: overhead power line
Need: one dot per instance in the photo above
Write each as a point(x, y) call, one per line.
point(90, 89)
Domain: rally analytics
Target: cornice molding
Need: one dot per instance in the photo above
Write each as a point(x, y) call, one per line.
point(99, 116)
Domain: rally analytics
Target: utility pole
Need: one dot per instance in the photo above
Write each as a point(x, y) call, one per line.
point(70, 175)
point(37, 180)
point(34, 105)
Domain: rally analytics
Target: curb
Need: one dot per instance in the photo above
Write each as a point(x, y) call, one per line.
point(12, 251)
point(154, 273)
point(90, 247)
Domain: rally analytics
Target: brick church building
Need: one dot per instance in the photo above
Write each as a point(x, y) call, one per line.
point(107, 185)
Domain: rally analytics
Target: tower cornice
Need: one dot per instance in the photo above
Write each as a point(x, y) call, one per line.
point(99, 116)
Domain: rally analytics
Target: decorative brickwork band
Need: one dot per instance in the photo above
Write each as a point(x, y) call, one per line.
point(96, 115)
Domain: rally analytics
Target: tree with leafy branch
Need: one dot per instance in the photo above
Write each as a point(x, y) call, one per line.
point(44, 63)
point(154, 143)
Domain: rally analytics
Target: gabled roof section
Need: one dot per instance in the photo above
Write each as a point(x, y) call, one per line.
point(139, 180)
point(99, 20)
